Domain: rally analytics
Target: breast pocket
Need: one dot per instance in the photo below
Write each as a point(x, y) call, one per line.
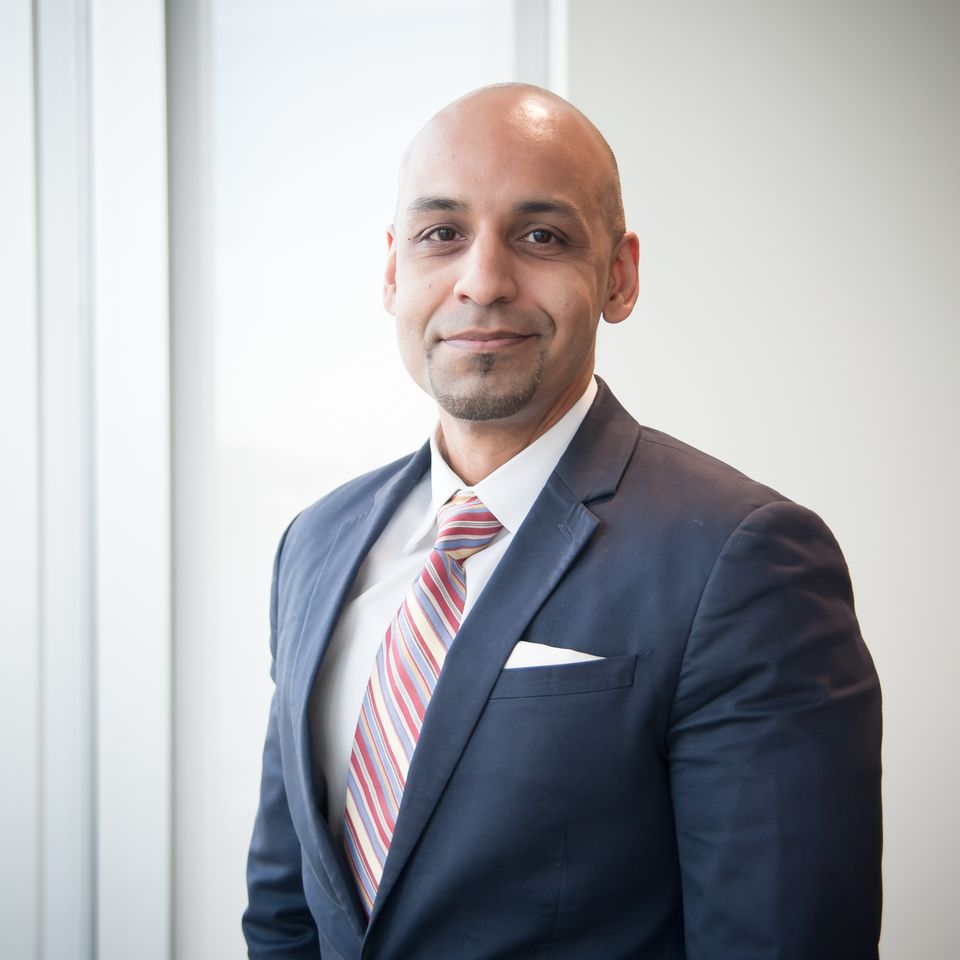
point(591, 676)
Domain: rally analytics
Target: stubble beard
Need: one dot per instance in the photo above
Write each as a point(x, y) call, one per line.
point(484, 402)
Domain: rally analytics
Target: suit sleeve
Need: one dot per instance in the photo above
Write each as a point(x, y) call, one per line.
point(774, 753)
point(277, 922)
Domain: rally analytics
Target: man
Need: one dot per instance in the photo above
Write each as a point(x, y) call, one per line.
point(624, 710)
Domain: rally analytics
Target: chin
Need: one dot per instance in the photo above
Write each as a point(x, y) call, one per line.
point(488, 391)
point(484, 403)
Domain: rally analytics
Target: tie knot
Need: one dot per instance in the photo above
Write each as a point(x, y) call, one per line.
point(465, 526)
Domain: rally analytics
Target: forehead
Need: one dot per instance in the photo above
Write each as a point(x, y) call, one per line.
point(489, 159)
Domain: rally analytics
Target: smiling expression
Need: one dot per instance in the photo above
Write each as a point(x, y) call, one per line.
point(502, 257)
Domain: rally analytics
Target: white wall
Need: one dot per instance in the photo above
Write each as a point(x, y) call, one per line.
point(791, 169)
point(792, 172)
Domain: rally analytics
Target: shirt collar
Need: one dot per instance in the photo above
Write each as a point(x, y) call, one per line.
point(510, 491)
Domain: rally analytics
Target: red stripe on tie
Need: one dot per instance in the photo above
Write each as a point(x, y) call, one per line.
point(398, 670)
point(361, 764)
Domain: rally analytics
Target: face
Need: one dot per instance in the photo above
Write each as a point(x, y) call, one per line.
point(501, 259)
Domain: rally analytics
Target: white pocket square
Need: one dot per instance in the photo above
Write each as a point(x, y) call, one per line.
point(527, 654)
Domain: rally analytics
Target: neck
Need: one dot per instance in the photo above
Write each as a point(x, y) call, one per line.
point(475, 448)
point(474, 454)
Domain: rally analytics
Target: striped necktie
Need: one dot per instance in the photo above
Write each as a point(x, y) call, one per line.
point(401, 684)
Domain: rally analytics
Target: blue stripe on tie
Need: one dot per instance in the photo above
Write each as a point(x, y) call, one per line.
point(376, 747)
point(373, 834)
point(415, 652)
point(430, 612)
point(393, 712)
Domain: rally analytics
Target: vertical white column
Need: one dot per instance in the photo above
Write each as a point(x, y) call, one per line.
point(558, 47)
point(131, 479)
point(19, 480)
point(540, 43)
point(189, 54)
point(66, 563)
point(531, 41)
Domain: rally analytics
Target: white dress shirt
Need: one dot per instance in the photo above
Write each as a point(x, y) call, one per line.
point(392, 565)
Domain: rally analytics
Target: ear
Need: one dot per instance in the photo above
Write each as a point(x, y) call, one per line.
point(624, 287)
point(390, 272)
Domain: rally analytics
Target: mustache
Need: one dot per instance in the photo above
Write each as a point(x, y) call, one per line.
point(471, 325)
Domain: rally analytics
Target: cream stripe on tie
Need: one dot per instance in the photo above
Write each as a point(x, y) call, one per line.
point(403, 679)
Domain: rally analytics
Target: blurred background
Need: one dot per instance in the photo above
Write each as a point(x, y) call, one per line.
point(194, 199)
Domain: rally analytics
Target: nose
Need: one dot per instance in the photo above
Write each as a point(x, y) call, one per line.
point(487, 275)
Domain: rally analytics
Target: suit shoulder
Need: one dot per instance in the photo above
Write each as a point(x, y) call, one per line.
point(653, 477)
point(692, 479)
point(679, 489)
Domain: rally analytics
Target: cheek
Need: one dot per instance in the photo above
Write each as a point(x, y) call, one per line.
point(576, 315)
point(413, 307)
point(412, 351)
point(407, 339)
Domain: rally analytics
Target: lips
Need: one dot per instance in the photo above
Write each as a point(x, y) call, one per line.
point(485, 341)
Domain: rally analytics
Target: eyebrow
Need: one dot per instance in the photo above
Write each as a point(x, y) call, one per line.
point(432, 204)
point(558, 208)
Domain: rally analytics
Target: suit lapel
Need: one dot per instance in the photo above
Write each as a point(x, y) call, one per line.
point(549, 540)
point(336, 575)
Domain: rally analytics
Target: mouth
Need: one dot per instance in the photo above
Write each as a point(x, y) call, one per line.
point(485, 341)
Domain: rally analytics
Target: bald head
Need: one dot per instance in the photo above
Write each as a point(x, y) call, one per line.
point(524, 115)
point(507, 248)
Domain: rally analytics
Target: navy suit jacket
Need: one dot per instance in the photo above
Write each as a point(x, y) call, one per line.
point(708, 790)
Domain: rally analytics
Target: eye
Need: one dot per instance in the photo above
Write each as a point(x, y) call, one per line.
point(541, 237)
point(442, 235)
